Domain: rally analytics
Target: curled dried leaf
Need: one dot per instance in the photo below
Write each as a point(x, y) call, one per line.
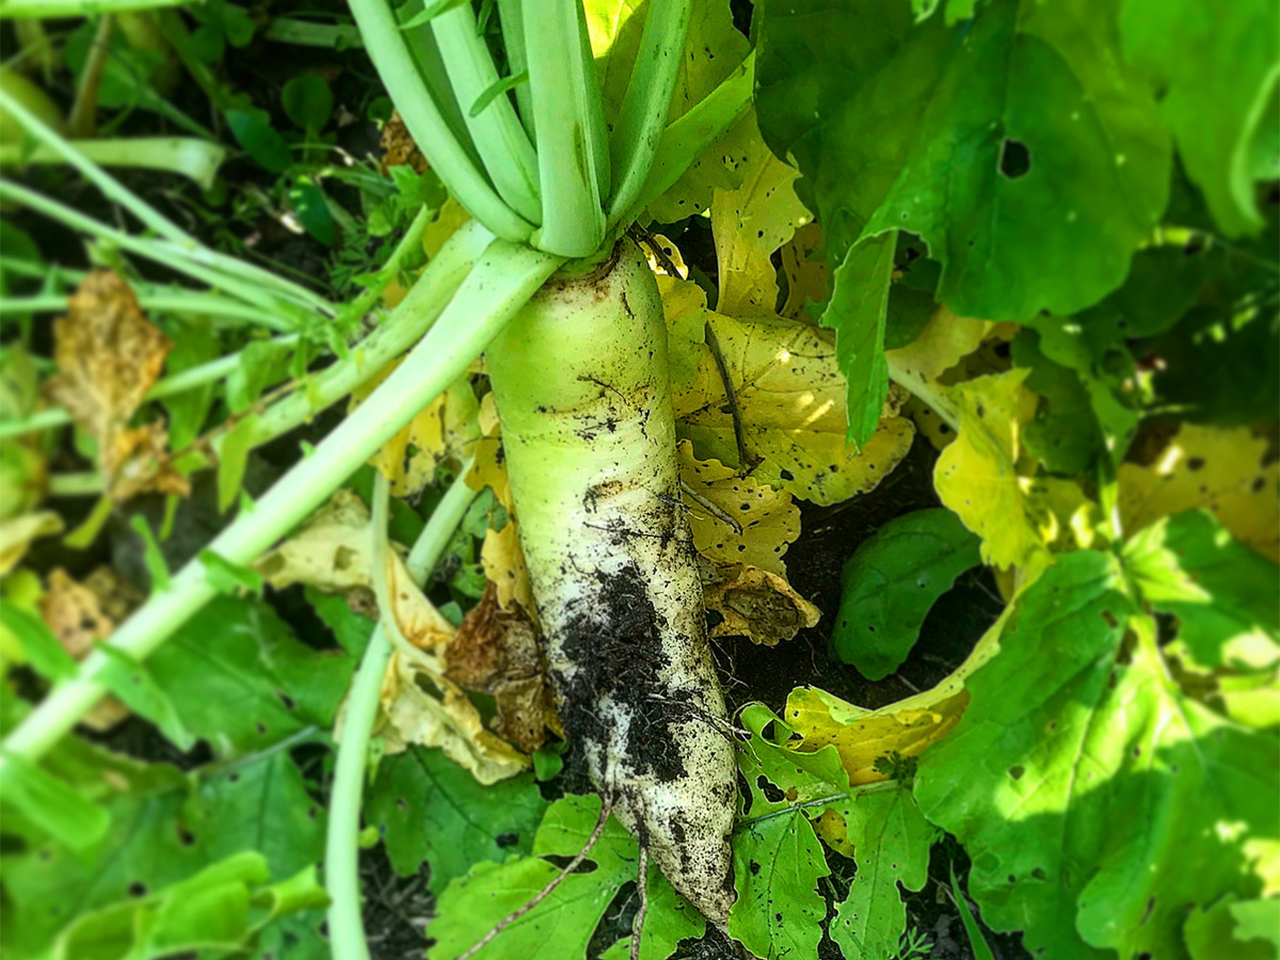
point(504, 566)
point(398, 148)
point(755, 604)
point(496, 651)
point(108, 357)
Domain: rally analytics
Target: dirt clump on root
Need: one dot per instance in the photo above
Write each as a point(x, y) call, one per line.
point(614, 641)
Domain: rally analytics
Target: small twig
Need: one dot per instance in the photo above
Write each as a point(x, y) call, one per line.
point(746, 462)
point(711, 507)
point(84, 112)
point(546, 891)
point(650, 243)
point(637, 925)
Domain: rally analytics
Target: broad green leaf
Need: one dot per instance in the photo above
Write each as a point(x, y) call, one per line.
point(562, 925)
point(1223, 593)
point(777, 863)
point(240, 679)
point(53, 805)
point(40, 647)
point(1015, 139)
point(307, 101)
point(891, 841)
point(227, 577)
point(262, 363)
point(977, 476)
point(133, 683)
point(779, 775)
point(233, 459)
point(1234, 930)
point(857, 313)
point(430, 809)
point(1064, 435)
point(1063, 738)
point(350, 629)
point(253, 130)
point(1218, 70)
point(194, 343)
point(890, 583)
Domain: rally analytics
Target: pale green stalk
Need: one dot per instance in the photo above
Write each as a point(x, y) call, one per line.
point(183, 243)
point(688, 136)
point(511, 17)
point(386, 45)
point(342, 847)
point(75, 485)
point(160, 251)
point(198, 160)
point(643, 116)
point(177, 301)
point(573, 156)
point(51, 9)
point(304, 33)
point(501, 282)
point(503, 144)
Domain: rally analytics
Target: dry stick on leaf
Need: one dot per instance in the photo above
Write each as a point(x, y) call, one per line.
point(550, 888)
point(637, 926)
point(746, 462)
point(712, 508)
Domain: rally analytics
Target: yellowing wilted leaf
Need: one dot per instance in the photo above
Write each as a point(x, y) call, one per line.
point(445, 431)
point(790, 397)
point(504, 565)
point(756, 604)
point(755, 523)
point(977, 477)
point(749, 223)
point(16, 535)
point(423, 706)
point(451, 216)
point(1223, 470)
point(806, 272)
point(108, 357)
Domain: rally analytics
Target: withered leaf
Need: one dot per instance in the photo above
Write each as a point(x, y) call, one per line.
point(755, 604)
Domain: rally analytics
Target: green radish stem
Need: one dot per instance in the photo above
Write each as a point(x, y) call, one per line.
point(198, 160)
point(342, 849)
point(580, 380)
point(499, 284)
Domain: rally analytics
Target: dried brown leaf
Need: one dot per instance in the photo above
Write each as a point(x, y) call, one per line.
point(756, 604)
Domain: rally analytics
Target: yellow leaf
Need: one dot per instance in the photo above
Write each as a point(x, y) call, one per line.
point(489, 470)
point(977, 477)
point(906, 728)
point(331, 552)
point(756, 604)
point(424, 707)
point(805, 270)
point(944, 341)
point(752, 522)
point(452, 215)
point(749, 223)
point(504, 565)
point(16, 535)
point(790, 397)
point(1222, 470)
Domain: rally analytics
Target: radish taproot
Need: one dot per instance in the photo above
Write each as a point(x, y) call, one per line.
point(580, 379)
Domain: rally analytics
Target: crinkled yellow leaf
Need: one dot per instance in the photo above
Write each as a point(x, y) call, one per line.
point(16, 535)
point(749, 223)
point(928, 424)
point(752, 522)
point(331, 552)
point(452, 215)
point(1222, 470)
point(977, 477)
point(756, 604)
point(806, 272)
point(943, 342)
point(504, 565)
point(424, 707)
point(1064, 517)
point(791, 400)
point(489, 470)
point(906, 728)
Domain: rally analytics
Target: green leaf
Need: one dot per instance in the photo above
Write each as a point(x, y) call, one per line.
point(857, 313)
point(262, 364)
point(152, 555)
point(227, 577)
point(561, 926)
point(53, 805)
point(1007, 142)
point(431, 809)
point(194, 343)
point(1235, 930)
point(240, 680)
point(777, 862)
point(891, 840)
point(891, 582)
point(1218, 71)
point(496, 89)
point(307, 101)
point(430, 11)
point(233, 459)
point(352, 630)
point(132, 682)
point(1063, 739)
point(1222, 592)
point(253, 131)
point(311, 206)
point(977, 942)
point(44, 653)
point(1065, 435)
